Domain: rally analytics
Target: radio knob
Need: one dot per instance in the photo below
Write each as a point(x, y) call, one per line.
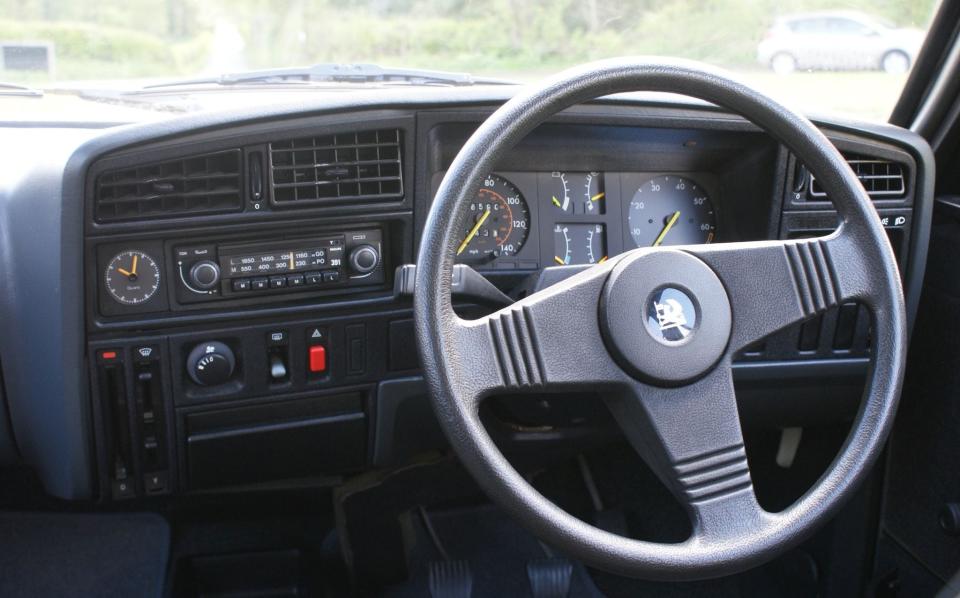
point(211, 363)
point(205, 275)
point(364, 259)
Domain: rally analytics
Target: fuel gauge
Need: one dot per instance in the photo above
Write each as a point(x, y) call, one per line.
point(579, 244)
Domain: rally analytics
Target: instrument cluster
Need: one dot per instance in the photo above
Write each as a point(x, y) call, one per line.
point(530, 220)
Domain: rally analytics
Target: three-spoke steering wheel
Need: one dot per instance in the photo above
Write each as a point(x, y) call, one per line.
point(656, 330)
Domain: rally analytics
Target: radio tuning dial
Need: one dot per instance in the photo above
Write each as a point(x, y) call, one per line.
point(364, 259)
point(205, 275)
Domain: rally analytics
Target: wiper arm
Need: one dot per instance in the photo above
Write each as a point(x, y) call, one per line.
point(340, 73)
point(12, 89)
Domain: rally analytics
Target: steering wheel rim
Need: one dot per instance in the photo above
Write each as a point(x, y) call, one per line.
point(684, 424)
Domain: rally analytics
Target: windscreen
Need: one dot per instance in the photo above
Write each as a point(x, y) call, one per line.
point(849, 57)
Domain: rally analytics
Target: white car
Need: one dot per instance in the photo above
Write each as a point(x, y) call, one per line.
point(837, 40)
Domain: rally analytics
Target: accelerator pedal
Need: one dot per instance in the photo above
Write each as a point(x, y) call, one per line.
point(450, 579)
point(550, 578)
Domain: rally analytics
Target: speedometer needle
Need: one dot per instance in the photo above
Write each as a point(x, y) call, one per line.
point(666, 229)
point(473, 232)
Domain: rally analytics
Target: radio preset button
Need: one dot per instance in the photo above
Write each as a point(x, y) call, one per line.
point(331, 276)
point(295, 280)
point(278, 282)
point(313, 277)
point(260, 284)
point(241, 284)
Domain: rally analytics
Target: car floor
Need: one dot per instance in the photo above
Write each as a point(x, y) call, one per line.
point(288, 543)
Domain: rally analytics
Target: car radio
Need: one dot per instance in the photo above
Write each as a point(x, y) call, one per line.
point(220, 271)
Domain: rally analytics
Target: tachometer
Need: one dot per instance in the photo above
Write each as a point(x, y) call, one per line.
point(671, 210)
point(498, 222)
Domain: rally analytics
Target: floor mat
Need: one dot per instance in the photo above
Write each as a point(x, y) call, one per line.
point(53, 554)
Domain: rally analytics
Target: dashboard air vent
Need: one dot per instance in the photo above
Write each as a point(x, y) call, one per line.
point(882, 179)
point(345, 166)
point(199, 184)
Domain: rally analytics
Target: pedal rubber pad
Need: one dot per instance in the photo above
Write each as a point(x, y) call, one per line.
point(450, 579)
point(550, 578)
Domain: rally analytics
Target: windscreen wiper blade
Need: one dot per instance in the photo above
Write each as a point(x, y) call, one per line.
point(340, 73)
point(13, 89)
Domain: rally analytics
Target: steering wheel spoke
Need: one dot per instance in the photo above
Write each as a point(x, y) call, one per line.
point(773, 284)
point(546, 341)
point(691, 437)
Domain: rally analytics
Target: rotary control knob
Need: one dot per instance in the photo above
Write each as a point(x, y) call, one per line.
point(364, 259)
point(211, 363)
point(205, 275)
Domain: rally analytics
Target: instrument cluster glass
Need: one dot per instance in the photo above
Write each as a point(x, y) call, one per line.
point(532, 220)
point(497, 224)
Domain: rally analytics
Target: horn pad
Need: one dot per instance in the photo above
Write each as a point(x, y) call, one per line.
point(665, 316)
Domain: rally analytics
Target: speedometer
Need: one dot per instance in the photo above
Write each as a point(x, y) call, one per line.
point(498, 222)
point(671, 210)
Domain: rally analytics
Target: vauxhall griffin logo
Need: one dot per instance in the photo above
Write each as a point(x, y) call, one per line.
point(671, 316)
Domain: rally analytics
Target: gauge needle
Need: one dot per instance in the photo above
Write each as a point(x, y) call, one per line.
point(556, 201)
point(598, 196)
point(122, 271)
point(133, 267)
point(666, 229)
point(473, 232)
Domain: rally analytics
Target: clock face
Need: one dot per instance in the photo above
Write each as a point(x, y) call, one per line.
point(132, 277)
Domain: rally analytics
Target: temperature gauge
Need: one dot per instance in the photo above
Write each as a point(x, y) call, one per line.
point(577, 192)
point(579, 244)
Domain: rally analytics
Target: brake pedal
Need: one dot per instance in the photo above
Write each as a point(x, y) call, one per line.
point(450, 579)
point(550, 578)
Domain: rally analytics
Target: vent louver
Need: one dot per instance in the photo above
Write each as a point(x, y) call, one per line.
point(328, 168)
point(881, 178)
point(199, 184)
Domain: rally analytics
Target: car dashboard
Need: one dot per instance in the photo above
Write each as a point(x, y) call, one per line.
point(210, 302)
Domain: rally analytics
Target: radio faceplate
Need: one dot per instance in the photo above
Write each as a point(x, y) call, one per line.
point(219, 271)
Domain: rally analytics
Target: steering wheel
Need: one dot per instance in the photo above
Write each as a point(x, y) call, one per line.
point(654, 331)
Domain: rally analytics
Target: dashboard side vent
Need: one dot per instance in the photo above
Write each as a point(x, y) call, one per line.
point(346, 166)
point(882, 179)
point(199, 184)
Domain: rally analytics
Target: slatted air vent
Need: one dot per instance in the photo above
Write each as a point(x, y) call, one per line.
point(882, 179)
point(199, 184)
point(332, 168)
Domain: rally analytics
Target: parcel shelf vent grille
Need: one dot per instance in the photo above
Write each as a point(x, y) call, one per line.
point(882, 179)
point(199, 184)
point(346, 166)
